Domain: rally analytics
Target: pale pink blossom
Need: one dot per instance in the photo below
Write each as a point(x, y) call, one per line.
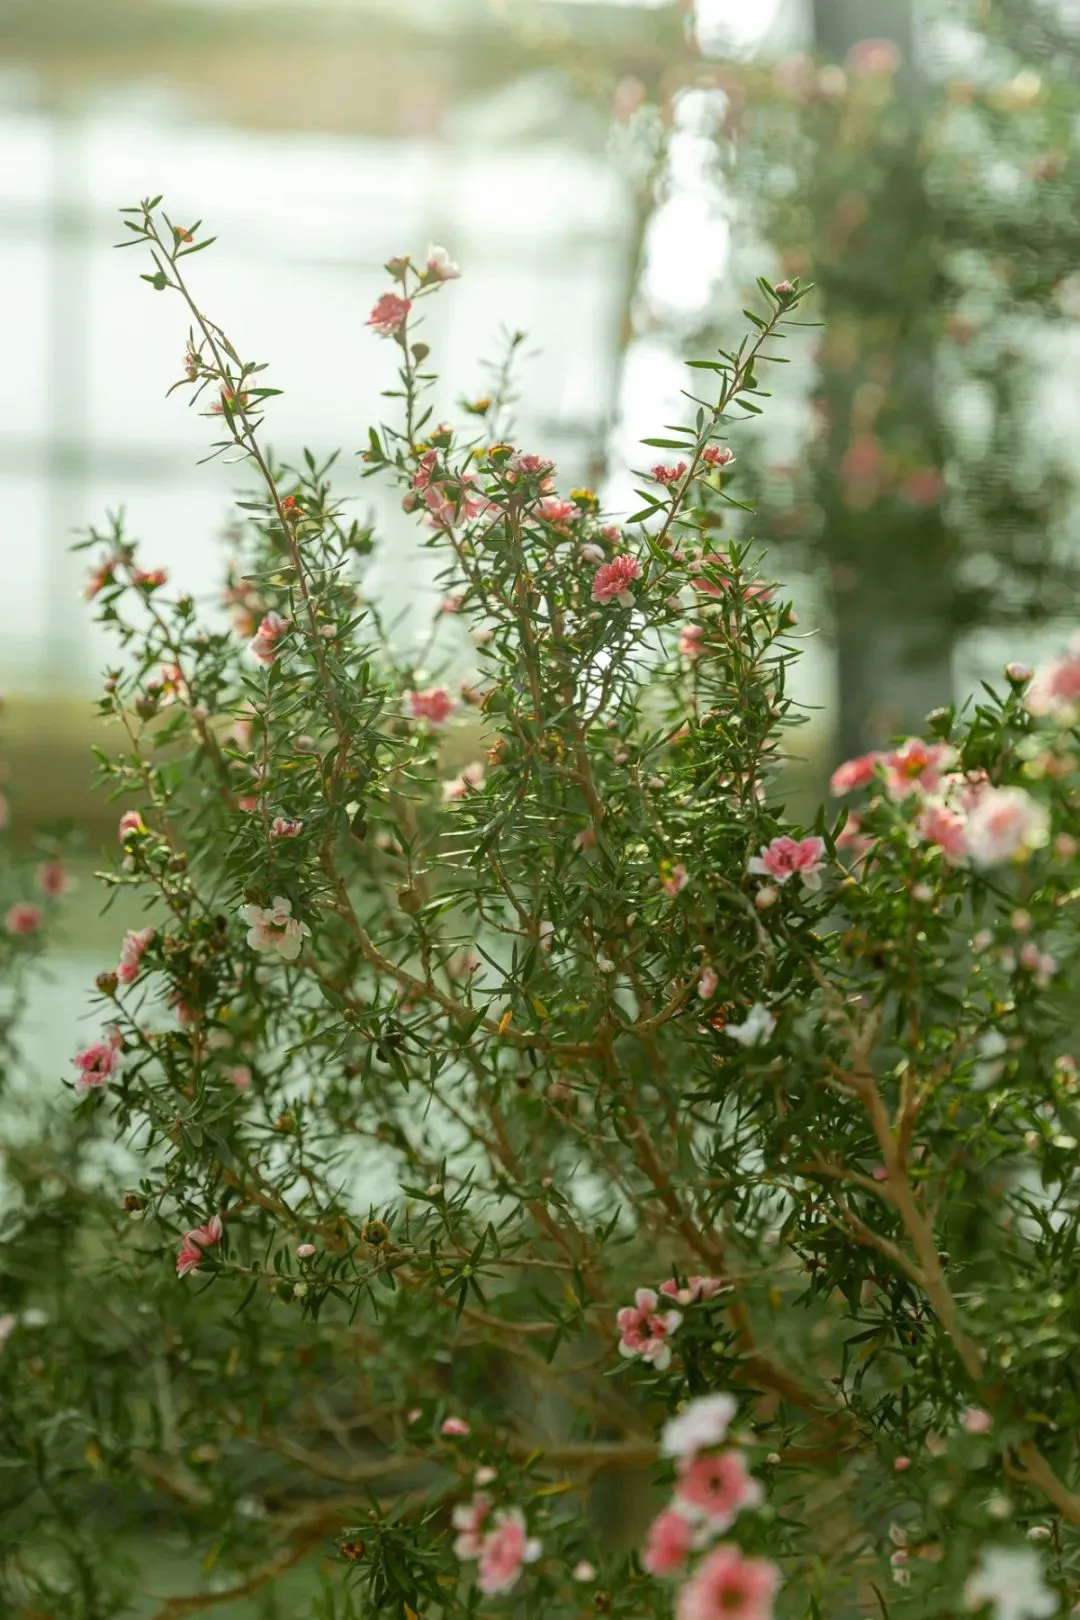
point(692, 640)
point(136, 942)
point(591, 553)
point(916, 765)
point(532, 465)
point(676, 880)
point(937, 824)
point(455, 1426)
point(240, 1076)
point(613, 579)
point(389, 315)
point(787, 857)
point(715, 1489)
point(304, 1251)
point(264, 644)
point(644, 1331)
point(850, 835)
point(468, 1519)
point(583, 1571)
point(766, 896)
point(506, 1550)
point(704, 1423)
point(668, 475)
point(697, 1288)
point(727, 1586)
point(976, 1420)
point(24, 918)
point(434, 706)
point(555, 509)
point(130, 821)
point(1055, 687)
point(1006, 824)
point(285, 827)
point(195, 1242)
point(467, 781)
point(96, 1064)
point(671, 1537)
point(707, 982)
point(440, 266)
point(52, 878)
point(1041, 963)
point(854, 773)
point(274, 928)
point(875, 56)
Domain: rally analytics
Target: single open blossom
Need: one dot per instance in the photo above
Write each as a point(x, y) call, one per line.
point(715, 1489)
point(468, 1519)
point(555, 509)
point(264, 643)
point(274, 928)
point(788, 857)
point(130, 822)
point(24, 918)
point(668, 475)
point(644, 1330)
point(96, 1064)
point(697, 1288)
point(916, 765)
point(1006, 824)
point(1011, 1580)
point(692, 640)
point(671, 1537)
point(937, 824)
point(976, 1420)
point(194, 1242)
point(455, 1426)
point(469, 780)
point(613, 579)
point(704, 1423)
point(239, 1076)
point(52, 878)
point(136, 941)
point(1055, 687)
point(716, 455)
point(875, 56)
point(507, 1548)
point(675, 880)
point(440, 265)
point(756, 1027)
point(286, 827)
point(727, 1586)
point(99, 577)
point(707, 982)
point(435, 705)
point(854, 773)
point(389, 315)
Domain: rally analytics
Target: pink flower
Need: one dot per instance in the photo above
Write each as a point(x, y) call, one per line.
point(697, 1288)
point(707, 982)
point(692, 640)
point(555, 509)
point(787, 857)
point(468, 1519)
point(263, 644)
point(668, 475)
point(285, 827)
point(875, 56)
point(704, 1423)
point(455, 1426)
point(506, 1549)
point(854, 773)
point(23, 918)
point(1005, 824)
point(470, 780)
point(924, 487)
point(97, 1063)
point(671, 1536)
point(194, 1242)
point(239, 1076)
point(150, 578)
point(644, 1332)
point(974, 1420)
point(716, 455)
point(304, 1251)
point(136, 941)
point(727, 1586)
point(52, 878)
point(435, 705)
point(1041, 963)
point(716, 1489)
point(1055, 687)
point(130, 821)
point(916, 764)
point(613, 579)
point(275, 928)
point(937, 824)
point(101, 576)
point(440, 266)
point(532, 465)
point(390, 314)
point(676, 880)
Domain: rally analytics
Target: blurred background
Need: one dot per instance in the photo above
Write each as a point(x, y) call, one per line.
point(612, 175)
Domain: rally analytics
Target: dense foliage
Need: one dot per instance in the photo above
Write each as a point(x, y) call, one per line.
point(512, 1159)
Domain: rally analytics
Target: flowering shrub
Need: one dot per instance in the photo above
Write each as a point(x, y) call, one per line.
point(511, 1133)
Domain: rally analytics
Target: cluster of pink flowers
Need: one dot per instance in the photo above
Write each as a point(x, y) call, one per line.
point(613, 579)
point(274, 928)
point(136, 942)
point(195, 1242)
point(786, 857)
point(645, 1330)
point(264, 644)
point(712, 1487)
point(1055, 687)
point(97, 1064)
point(499, 1540)
point(449, 498)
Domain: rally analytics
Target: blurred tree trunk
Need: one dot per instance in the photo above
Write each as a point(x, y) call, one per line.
point(891, 562)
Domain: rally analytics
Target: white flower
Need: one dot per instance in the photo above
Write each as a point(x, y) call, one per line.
point(704, 1423)
point(1011, 1578)
point(441, 265)
point(757, 1026)
point(274, 928)
point(1006, 824)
